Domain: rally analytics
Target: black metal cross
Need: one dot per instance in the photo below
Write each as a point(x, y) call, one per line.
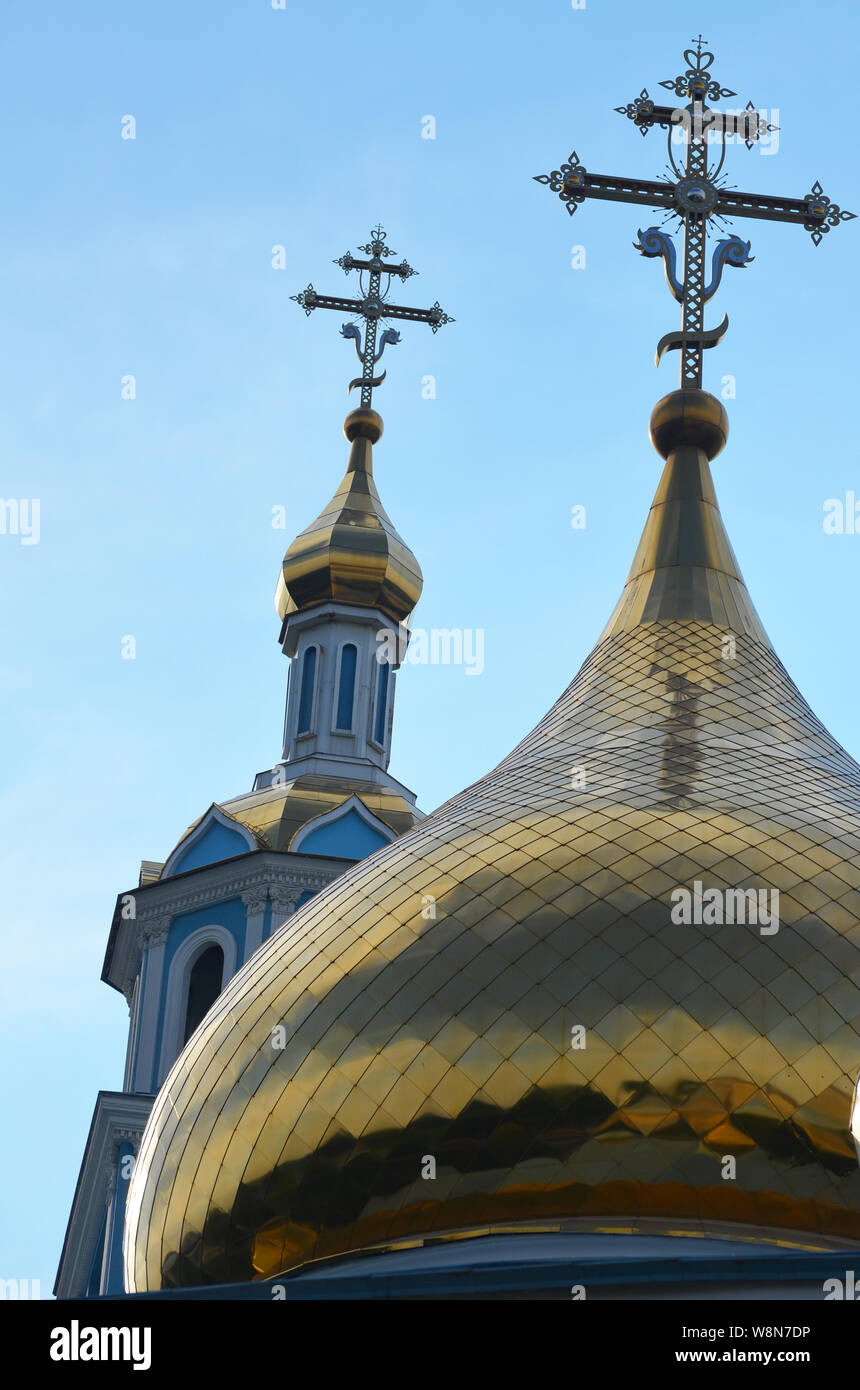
point(694, 195)
point(372, 307)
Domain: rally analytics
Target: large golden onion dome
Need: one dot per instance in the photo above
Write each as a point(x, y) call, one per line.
point(432, 998)
point(352, 553)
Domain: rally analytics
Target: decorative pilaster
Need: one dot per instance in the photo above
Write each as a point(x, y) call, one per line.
point(125, 1142)
point(255, 900)
point(284, 903)
point(153, 932)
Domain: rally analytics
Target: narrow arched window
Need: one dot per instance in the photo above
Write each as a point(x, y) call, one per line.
point(204, 986)
point(346, 686)
point(306, 696)
point(381, 703)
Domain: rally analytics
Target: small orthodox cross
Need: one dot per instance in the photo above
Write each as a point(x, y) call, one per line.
point(372, 306)
point(693, 195)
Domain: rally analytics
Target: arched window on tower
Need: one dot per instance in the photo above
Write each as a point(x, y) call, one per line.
point(204, 986)
point(381, 704)
point(306, 695)
point(346, 686)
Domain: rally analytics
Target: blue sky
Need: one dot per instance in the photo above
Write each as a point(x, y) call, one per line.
point(302, 127)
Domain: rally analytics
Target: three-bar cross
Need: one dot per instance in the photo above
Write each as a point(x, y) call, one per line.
point(694, 195)
point(372, 306)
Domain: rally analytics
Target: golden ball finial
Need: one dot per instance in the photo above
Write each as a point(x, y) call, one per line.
point(690, 417)
point(363, 423)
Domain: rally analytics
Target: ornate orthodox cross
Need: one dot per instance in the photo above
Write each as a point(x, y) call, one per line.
point(693, 196)
point(372, 306)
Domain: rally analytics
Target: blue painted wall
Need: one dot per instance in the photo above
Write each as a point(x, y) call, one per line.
point(350, 837)
point(217, 843)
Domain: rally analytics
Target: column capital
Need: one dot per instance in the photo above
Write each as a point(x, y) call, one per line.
point(153, 931)
point(110, 1170)
point(284, 904)
point(255, 899)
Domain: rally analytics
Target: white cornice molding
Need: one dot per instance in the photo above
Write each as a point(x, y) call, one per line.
point(265, 874)
point(174, 899)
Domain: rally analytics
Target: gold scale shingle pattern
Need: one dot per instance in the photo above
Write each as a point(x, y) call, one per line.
point(408, 1035)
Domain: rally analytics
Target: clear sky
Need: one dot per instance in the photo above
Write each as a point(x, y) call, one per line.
point(301, 127)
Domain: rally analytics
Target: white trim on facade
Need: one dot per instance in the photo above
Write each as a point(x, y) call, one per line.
point(312, 731)
point(335, 727)
point(382, 747)
point(267, 872)
point(133, 1033)
point(178, 980)
point(352, 804)
point(154, 935)
point(214, 816)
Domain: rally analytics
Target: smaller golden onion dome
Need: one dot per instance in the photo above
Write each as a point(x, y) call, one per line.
point(352, 553)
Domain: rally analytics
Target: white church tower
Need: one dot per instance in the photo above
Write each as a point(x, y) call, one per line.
point(347, 587)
